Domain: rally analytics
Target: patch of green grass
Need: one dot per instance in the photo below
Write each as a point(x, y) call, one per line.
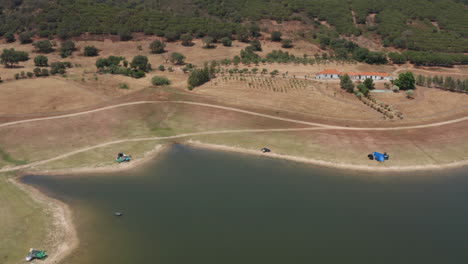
point(163, 131)
point(9, 159)
point(23, 222)
point(123, 86)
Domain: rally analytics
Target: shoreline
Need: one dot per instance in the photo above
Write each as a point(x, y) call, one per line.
point(63, 235)
point(329, 164)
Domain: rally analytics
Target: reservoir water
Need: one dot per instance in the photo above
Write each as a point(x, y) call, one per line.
point(205, 207)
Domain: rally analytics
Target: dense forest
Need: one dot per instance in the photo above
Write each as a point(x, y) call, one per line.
point(418, 25)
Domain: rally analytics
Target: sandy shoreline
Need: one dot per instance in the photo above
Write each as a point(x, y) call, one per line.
point(330, 164)
point(64, 235)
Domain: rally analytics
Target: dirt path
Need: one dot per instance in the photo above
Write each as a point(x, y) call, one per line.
point(153, 138)
point(395, 72)
point(244, 112)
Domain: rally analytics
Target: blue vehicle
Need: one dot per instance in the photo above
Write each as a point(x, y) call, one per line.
point(121, 157)
point(378, 156)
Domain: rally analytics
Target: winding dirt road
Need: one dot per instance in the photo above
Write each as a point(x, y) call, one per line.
point(241, 111)
point(316, 126)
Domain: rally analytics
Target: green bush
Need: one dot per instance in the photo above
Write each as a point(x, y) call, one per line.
point(43, 46)
point(160, 80)
point(90, 51)
point(41, 61)
point(227, 42)
point(157, 47)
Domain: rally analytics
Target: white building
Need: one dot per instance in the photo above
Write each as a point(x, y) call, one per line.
point(328, 74)
point(335, 74)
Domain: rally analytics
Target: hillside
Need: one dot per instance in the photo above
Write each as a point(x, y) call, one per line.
point(404, 24)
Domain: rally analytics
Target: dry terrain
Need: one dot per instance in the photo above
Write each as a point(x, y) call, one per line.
point(82, 119)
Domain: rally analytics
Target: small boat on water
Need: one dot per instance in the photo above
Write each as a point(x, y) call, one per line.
point(118, 213)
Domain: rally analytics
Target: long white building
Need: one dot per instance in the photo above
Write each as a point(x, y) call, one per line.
point(335, 74)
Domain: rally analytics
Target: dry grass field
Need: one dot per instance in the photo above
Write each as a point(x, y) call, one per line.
point(44, 95)
point(296, 95)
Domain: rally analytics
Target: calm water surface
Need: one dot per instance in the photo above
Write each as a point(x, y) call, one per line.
point(203, 207)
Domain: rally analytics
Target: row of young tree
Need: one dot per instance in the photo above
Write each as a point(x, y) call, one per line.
point(447, 82)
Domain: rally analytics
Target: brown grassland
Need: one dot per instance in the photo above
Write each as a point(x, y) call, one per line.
point(294, 115)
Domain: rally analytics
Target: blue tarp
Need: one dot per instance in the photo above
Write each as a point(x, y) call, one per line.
point(378, 156)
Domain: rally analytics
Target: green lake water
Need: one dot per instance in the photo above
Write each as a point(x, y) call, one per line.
point(205, 207)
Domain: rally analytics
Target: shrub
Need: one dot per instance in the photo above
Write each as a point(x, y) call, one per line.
point(29, 74)
point(405, 81)
point(198, 77)
point(57, 67)
point(410, 94)
point(177, 58)
point(208, 41)
point(286, 43)
point(9, 37)
point(227, 42)
point(160, 80)
point(276, 36)
point(43, 46)
point(157, 47)
point(90, 51)
point(37, 72)
point(25, 38)
point(140, 62)
point(161, 68)
point(17, 76)
point(67, 48)
point(186, 40)
point(255, 44)
point(41, 61)
point(395, 89)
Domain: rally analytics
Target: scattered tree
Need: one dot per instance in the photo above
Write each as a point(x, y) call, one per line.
point(43, 46)
point(10, 57)
point(59, 67)
point(405, 81)
point(159, 80)
point(25, 38)
point(67, 48)
point(369, 84)
point(363, 89)
point(276, 36)
point(256, 46)
point(346, 83)
point(198, 77)
point(140, 62)
point(227, 42)
point(9, 37)
point(177, 58)
point(186, 40)
point(41, 61)
point(208, 41)
point(157, 47)
point(90, 51)
point(286, 43)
